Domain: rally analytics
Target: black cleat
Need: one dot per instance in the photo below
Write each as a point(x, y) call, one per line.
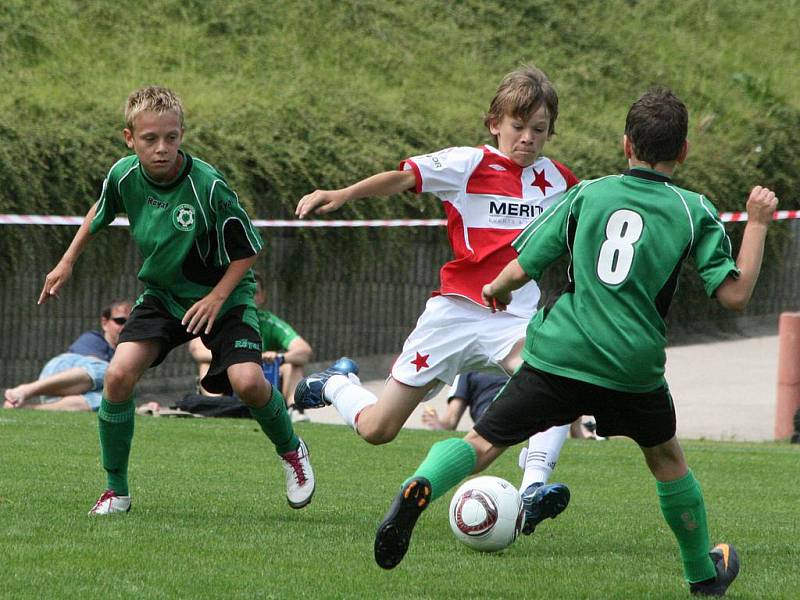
point(726, 561)
point(543, 501)
point(394, 533)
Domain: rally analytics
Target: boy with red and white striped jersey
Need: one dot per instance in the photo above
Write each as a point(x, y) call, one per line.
point(489, 195)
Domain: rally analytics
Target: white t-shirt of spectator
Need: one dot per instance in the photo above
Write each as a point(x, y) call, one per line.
point(488, 200)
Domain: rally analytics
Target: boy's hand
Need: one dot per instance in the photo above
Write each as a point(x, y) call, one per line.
point(761, 205)
point(269, 356)
point(430, 418)
point(494, 299)
point(54, 280)
point(203, 312)
point(320, 202)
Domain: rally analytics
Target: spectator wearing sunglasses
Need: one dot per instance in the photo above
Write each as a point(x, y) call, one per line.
point(74, 380)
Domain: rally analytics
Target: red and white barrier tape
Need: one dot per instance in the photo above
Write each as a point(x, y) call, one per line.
point(727, 217)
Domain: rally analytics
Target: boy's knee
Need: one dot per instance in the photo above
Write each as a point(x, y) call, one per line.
point(382, 434)
point(119, 383)
point(251, 390)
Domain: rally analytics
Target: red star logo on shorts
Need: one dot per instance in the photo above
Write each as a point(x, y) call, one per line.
point(540, 181)
point(421, 361)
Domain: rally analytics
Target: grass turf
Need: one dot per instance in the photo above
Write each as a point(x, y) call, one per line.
point(210, 519)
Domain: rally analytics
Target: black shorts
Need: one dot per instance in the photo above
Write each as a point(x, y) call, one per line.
point(533, 401)
point(231, 341)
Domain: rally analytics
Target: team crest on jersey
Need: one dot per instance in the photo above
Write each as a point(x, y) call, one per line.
point(183, 217)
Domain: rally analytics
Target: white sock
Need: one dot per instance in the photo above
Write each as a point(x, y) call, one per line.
point(347, 395)
point(540, 457)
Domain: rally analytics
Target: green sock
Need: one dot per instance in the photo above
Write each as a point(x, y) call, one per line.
point(447, 463)
point(115, 424)
point(685, 512)
point(276, 423)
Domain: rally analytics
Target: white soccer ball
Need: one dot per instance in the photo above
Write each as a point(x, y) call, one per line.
point(486, 513)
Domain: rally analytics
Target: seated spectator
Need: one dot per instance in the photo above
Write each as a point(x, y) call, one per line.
point(476, 391)
point(74, 380)
point(279, 341)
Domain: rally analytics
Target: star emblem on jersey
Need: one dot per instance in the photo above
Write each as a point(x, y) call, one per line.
point(183, 217)
point(540, 181)
point(421, 361)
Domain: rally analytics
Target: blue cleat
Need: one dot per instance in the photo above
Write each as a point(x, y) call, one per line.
point(543, 502)
point(309, 392)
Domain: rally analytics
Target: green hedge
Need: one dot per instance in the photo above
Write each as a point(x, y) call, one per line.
point(286, 97)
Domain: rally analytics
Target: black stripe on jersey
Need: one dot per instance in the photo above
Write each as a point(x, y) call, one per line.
point(664, 297)
point(200, 271)
point(237, 244)
point(572, 227)
point(549, 298)
point(641, 173)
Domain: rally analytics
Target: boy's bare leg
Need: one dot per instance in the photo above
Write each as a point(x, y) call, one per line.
point(130, 361)
point(380, 422)
point(74, 381)
point(67, 403)
point(248, 383)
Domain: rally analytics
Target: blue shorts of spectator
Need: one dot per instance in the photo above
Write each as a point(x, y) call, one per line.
point(95, 367)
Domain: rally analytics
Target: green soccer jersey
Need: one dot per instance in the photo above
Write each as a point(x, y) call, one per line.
point(627, 237)
point(188, 231)
point(276, 334)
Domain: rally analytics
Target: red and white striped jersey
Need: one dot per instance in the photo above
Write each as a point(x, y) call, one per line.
point(488, 200)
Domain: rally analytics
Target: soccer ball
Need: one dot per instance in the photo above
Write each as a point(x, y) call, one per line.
point(486, 513)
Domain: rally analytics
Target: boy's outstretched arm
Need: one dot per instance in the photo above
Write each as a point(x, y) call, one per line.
point(382, 184)
point(63, 270)
point(733, 293)
point(497, 294)
point(205, 311)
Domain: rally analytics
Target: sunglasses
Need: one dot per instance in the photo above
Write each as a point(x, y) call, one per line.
point(119, 320)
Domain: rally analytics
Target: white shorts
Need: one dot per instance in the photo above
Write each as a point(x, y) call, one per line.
point(454, 335)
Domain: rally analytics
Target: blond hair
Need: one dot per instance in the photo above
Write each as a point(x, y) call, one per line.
point(522, 93)
point(152, 98)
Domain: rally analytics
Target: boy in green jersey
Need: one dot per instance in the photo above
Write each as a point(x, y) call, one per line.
point(197, 245)
point(599, 349)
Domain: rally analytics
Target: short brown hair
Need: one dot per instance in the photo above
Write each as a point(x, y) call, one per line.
point(656, 126)
point(107, 310)
point(152, 98)
point(520, 94)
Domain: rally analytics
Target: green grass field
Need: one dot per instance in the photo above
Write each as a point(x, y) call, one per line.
point(210, 519)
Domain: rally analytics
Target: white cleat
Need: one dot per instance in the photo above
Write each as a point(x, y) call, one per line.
point(299, 476)
point(110, 503)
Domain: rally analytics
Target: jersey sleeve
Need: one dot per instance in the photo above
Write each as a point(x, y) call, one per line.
point(236, 236)
point(545, 238)
point(108, 205)
point(712, 250)
point(444, 171)
point(282, 332)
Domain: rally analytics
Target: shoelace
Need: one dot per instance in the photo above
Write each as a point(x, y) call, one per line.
point(108, 494)
point(293, 458)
